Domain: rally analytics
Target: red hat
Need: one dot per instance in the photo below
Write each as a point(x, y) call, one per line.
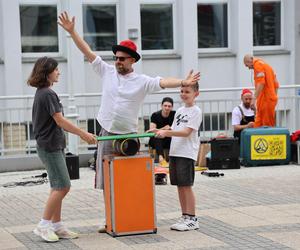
point(246, 91)
point(128, 47)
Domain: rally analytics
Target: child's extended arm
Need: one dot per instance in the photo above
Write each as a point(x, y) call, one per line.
point(70, 127)
point(169, 133)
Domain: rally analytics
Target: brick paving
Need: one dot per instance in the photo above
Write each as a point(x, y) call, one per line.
point(248, 208)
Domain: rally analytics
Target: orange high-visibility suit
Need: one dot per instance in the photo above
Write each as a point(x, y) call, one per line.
point(267, 99)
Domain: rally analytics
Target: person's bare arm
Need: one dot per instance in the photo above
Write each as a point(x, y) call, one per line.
point(167, 127)
point(62, 122)
point(69, 26)
point(152, 126)
point(171, 82)
point(241, 127)
point(169, 133)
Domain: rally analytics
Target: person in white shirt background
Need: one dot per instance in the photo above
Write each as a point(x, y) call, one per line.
point(243, 115)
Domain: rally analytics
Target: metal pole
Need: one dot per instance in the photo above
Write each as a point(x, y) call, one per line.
point(71, 112)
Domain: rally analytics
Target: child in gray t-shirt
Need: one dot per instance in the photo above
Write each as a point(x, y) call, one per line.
point(48, 128)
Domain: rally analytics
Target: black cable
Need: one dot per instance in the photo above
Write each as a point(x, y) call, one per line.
point(25, 183)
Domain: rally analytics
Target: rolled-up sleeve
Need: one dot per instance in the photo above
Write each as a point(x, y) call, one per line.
point(99, 65)
point(152, 84)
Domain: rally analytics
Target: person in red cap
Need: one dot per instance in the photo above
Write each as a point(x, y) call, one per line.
point(266, 87)
point(243, 115)
point(123, 89)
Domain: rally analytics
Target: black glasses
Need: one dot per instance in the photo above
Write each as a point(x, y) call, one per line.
point(121, 58)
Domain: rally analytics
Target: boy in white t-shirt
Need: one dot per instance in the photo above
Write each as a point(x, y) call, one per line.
point(185, 133)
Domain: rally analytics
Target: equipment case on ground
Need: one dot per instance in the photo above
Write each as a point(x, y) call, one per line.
point(265, 146)
point(129, 195)
point(72, 162)
point(222, 164)
point(295, 152)
point(224, 154)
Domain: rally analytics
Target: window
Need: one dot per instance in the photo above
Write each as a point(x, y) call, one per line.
point(100, 26)
point(38, 28)
point(266, 24)
point(29, 131)
point(93, 126)
point(157, 26)
point(212, 26)
point(213, 122)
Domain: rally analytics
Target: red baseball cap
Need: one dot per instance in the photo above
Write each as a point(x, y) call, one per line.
point(246, 91)
point(128, 47)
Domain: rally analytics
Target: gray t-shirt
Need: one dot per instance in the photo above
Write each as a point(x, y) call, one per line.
point(49, 136)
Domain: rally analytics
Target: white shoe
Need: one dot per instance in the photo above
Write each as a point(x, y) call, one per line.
point(181, 220)
point(46, 233)
point(186, 225)
point(65, 233)
point(101, 229)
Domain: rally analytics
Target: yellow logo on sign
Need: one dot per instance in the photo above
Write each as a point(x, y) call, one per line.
point(268, 147)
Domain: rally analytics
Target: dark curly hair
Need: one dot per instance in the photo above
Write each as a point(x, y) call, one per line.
point(167, 99)
point(42, 68)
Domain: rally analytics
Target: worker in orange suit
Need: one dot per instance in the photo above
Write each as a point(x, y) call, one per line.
point(266, 87)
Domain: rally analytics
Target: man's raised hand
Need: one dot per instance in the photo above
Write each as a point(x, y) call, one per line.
point(66, 22)
point(191, 78)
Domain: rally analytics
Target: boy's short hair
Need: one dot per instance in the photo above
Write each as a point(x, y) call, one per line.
point(194, 87)
point(167, 99)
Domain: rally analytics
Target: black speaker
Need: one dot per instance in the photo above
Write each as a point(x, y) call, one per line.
point(225, 148)
point(222, 164)
point(294, 152)
point(72, 162)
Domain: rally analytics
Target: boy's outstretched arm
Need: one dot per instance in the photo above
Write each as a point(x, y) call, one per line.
point(169, 133)
point(69, 26)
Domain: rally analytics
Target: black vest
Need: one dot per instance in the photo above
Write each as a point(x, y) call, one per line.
point(245, 120)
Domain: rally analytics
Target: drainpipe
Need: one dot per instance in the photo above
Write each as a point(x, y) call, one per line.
point(72, 114)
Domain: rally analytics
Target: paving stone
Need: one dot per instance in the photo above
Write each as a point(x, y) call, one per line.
point(268, 196)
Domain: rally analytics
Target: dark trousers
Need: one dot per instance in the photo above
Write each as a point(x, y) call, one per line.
point(160, 144)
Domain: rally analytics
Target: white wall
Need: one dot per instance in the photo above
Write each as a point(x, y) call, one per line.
point(1, 32)
point(217, 72)
point(92, 80)
point(282, 66)
point(2, 88)
point(163, 68)
point(77, 75)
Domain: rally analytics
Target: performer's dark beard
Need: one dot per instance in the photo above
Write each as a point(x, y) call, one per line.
point(247, 105)
point(122, 70)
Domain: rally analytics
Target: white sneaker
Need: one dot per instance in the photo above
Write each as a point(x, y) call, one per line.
point(46, 233)
point(101, 229)
point(181, 220)
point(186, 225)
point(65, 233)
point(102, 226)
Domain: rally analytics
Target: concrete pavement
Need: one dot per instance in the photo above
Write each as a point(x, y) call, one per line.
point(248, 208)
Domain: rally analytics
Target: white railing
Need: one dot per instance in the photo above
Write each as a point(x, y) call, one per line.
point(16, 136)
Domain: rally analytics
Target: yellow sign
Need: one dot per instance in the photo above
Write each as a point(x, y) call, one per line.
point(268, 147)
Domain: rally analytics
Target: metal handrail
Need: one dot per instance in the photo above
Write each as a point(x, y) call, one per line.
point(168, 91)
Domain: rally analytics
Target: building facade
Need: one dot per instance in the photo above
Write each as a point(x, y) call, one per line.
point(173, 36)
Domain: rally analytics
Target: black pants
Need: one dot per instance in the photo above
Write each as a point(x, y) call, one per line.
point(160, 144)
